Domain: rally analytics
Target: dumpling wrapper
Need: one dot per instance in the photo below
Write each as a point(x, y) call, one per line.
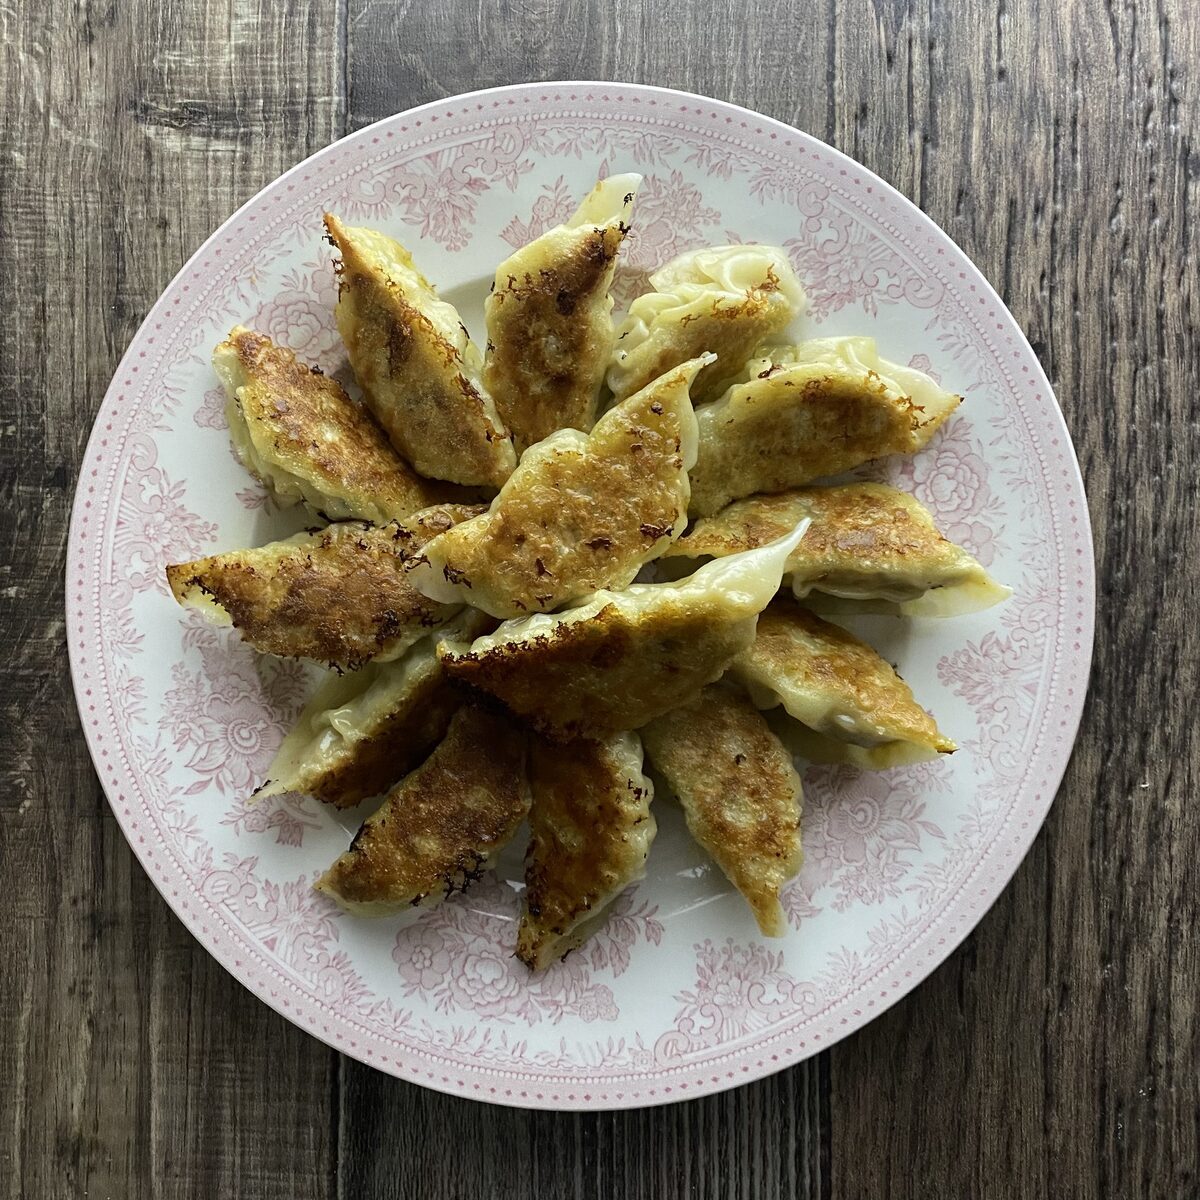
point(810, 411)
point(853, 706)
point(867, 541)
point(590, 830)
point(739, 790)
point(440, 827)
point(362, 731)
point(299, 433)
point(581, 512)
point(419, 371)
point(337, 595)
point(620, 659)
point(725, 299)
point(549, 318)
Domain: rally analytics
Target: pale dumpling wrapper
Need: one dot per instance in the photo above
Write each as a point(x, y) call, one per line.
point(299, 433)
point(852, 705)
point(619, 659)
point(724, 300)
point(338, 595)
point(867, 542)
point(419, 371)
point(580, 513)
point(441, 826)
point(739, 790)
point(808, 412)
point(590, 830)
point(549, 318)
point(361, 731)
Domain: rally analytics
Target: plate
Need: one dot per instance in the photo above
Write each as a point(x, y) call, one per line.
point(678, 995)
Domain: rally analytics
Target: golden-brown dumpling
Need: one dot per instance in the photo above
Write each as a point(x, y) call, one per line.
point(852, 704)
point(419, 371)
point(867, 541)
point(440, 827)
point(724, 299)
point(590, 829)
point(362, 731)
point(549, 318)
point(739, 791)
point(337, 595)
point(619, 659)
point(810, 411)
point(298, 432)
point(581, 512)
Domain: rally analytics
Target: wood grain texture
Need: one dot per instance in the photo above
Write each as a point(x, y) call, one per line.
point(134, 1066)
point(1055, 1053)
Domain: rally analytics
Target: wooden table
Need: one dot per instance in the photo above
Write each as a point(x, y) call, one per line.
point(1057, 1053)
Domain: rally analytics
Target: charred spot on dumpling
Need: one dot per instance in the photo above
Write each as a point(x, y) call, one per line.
point(440, 826)
point(739, 791)
point(418, 370)
point(549, 323)
point(590, 830)
point(579, 514)
point(623, 658)
point(851, 703)
point(339, 596)
point(303, 436)
point(833, 406)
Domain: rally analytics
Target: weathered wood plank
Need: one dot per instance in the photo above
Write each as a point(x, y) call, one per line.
point(757, 1143)
point(135, 1065)
point(1056, 1053)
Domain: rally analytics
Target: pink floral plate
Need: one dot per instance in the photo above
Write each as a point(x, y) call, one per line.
point(678, 995)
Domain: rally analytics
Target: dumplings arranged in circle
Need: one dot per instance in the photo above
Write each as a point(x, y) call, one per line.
point(517, 620)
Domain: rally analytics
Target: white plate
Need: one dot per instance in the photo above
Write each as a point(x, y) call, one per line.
point(678, 995)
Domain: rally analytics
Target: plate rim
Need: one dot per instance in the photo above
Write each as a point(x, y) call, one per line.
point(701, 1082)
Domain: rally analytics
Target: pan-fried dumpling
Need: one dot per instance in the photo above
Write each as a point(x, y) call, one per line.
point(867, 541)
point(549, 318)
point(338, 595)
point(439, 828)
point(298, 432)
point(809, 411)
point(419, 371)
point(619, 659)
point(581, 512)
point(739, 791)
point(852, 704)
point(362, 731)
point(726, 300)
point(590, 829)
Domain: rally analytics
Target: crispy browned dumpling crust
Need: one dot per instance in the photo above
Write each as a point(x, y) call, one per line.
point(838, 687)
point(796, 424)
point(415, 363)
point(602, 675)
point(362, 731)
point(338, 595)
point(739, 791)
point(549, 319)
point(439, 828)
point(622, 658)
point(590, 830)
point(580, 513)
point(867, 540)
point(300, 433)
